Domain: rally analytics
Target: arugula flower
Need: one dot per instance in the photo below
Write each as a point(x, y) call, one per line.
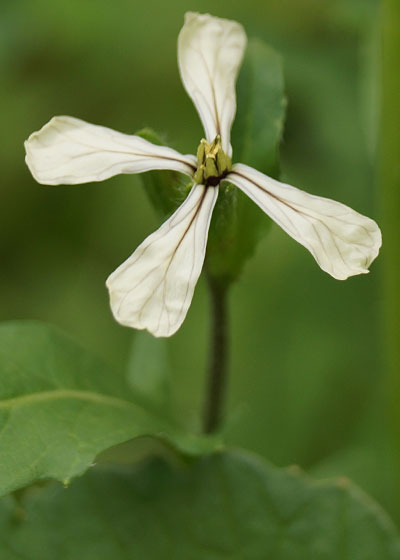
point(153, 288)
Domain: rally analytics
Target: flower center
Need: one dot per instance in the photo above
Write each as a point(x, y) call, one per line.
point(213, 164)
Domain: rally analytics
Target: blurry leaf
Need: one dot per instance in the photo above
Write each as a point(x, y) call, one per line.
point(227, 505)
point(166, 189)
point(261, 102)
point(238, 223)
point(389, 171)
point(59, 407)
point(148, 372)
point(365, 461)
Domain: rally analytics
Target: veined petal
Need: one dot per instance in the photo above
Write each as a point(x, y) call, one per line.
point(210, 51)
point(153, 288)
point(70, 151)
point(343, 242)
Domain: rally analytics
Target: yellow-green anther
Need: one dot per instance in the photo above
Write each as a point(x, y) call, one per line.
point(199, 176)
point(201, 151)
point(212, 162)
point(215, 145)
point(222, 162)
point(211, 167)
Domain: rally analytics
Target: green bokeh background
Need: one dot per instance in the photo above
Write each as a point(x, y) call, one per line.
point(309, 356)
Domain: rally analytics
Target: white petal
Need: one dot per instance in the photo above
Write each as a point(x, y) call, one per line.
point(70, 151)
point(210, 51)
point(342, 241)
point(153, 288)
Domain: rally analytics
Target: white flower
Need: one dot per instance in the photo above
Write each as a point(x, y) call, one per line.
point(153, 288)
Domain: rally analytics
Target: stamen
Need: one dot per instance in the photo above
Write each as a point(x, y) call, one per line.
point(213, 164)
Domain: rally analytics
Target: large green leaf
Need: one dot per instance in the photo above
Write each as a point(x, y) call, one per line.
point(59, 407)
point(227, 505)
point(238, 223)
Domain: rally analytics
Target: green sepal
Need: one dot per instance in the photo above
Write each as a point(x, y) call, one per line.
point(165, 189)
point(238, 224)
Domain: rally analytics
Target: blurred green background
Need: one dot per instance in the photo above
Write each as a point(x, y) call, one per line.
point(310, 377)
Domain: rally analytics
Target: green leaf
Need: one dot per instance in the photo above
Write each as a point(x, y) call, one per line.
point(165, 189)
point(148, 371)
point(59, 407)
point(238, 224)
point(258, 127)
point(228, 505)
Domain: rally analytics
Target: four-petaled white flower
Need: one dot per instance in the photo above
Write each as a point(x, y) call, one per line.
point(153, 288)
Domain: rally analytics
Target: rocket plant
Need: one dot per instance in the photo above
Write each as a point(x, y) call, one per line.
point(60, 407)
